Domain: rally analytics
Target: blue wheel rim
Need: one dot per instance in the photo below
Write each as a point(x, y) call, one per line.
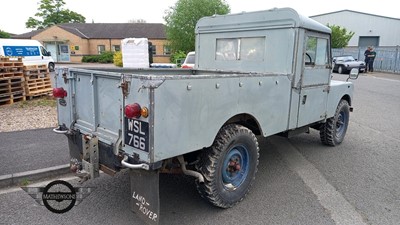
point(235, 167)
point(341, 124)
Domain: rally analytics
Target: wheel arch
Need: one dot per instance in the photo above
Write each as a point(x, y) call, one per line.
point(347, 98)
point(246, 120)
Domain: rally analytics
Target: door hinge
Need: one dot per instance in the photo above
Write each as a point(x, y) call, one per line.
point(327, 89)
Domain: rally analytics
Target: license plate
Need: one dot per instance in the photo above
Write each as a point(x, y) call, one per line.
point(137, 134)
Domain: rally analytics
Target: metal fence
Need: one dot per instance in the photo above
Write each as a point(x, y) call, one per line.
point(387, 58)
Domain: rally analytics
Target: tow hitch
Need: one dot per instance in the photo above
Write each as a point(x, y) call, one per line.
point(89, 167)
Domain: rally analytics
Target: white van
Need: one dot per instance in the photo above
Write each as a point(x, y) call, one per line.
point(31, 51)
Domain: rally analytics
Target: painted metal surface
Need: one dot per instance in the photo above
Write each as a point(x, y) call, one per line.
point(188, 107)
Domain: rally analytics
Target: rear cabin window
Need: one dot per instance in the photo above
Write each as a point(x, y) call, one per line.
point(245, 49)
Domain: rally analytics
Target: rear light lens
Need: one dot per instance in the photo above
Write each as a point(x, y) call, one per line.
point(133, 111)
point(59, 92)
point(185, 67)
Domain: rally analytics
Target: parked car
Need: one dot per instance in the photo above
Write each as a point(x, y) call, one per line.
point(189, 61)
point(344, 64)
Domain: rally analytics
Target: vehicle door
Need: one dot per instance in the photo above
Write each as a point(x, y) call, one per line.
point(315, 79)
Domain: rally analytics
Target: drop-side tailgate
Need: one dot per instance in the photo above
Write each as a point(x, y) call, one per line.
point(93, 103)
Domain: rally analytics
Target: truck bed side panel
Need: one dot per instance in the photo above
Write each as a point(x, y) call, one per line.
point(190, 112)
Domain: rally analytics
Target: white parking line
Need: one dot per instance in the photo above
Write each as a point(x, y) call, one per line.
point(341, 211)
point(386, 79)
point(39, 184)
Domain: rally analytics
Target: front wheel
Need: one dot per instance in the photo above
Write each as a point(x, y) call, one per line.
point(332, 132)
point(51, 67)
point(228, 166)
point(341, 69)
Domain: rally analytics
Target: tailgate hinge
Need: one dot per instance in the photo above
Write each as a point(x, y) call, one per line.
point(125, 83)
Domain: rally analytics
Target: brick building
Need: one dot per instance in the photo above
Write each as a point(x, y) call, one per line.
point(70, 42)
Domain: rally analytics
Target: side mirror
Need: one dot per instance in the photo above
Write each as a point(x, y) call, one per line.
point(353, 74)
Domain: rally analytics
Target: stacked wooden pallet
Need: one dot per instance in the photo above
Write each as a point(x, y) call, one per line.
point(37, 80)
point(12, 80)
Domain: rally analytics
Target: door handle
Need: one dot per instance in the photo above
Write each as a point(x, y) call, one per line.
point(304, 99)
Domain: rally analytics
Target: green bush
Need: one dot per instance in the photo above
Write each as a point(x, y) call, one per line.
point(105, 57)
point(118, 59)
point(178, 57)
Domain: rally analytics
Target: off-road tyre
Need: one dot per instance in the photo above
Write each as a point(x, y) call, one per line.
point(333, 131)
point(215, 164)
point(51, 67)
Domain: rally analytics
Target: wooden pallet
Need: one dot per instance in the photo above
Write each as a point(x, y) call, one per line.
point(38, 86)
point(10, 59)
point(36, 71)
point(11, 67)
point(11, 85)
point(35, 67)
point(7, 99)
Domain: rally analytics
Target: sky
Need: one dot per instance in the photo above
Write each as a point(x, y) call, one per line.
point(15, 13)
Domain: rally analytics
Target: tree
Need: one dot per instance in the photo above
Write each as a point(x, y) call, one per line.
point(181, 20)
point(4, 34)
point(52, 12)
point(340, 36)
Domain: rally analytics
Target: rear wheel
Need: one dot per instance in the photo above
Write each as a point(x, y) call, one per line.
point(333, 131)
point(229, 166)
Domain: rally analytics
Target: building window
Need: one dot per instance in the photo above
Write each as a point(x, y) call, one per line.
point(116, 48)
point(154, 50)
point(167, 50)
point(101, 49)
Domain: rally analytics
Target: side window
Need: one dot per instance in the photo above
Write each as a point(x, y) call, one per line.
point(316, 51)
point(227, 49)
point(44, 52)
point(246, 49)
point(252, 49)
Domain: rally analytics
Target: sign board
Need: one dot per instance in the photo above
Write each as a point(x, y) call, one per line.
point(21, 50)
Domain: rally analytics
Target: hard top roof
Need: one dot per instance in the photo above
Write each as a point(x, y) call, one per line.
point(276, 17)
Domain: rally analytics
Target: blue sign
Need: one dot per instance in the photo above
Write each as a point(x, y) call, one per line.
point(21, 51)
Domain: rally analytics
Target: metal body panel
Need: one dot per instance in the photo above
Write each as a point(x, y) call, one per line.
point(64, 111)
point(278, 58)
point(97, 104)
point(338, 89)
point(190, 112)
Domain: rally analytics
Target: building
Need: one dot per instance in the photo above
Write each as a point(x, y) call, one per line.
point(370, 29)
point(70, 42)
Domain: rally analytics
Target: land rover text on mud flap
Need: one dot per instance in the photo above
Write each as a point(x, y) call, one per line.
point(256, 74)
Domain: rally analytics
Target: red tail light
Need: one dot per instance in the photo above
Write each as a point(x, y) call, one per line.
point(133, 111)
point(59, 92)
point(185, 66)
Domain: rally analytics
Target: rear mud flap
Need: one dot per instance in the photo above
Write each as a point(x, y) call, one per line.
point(145, 200)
